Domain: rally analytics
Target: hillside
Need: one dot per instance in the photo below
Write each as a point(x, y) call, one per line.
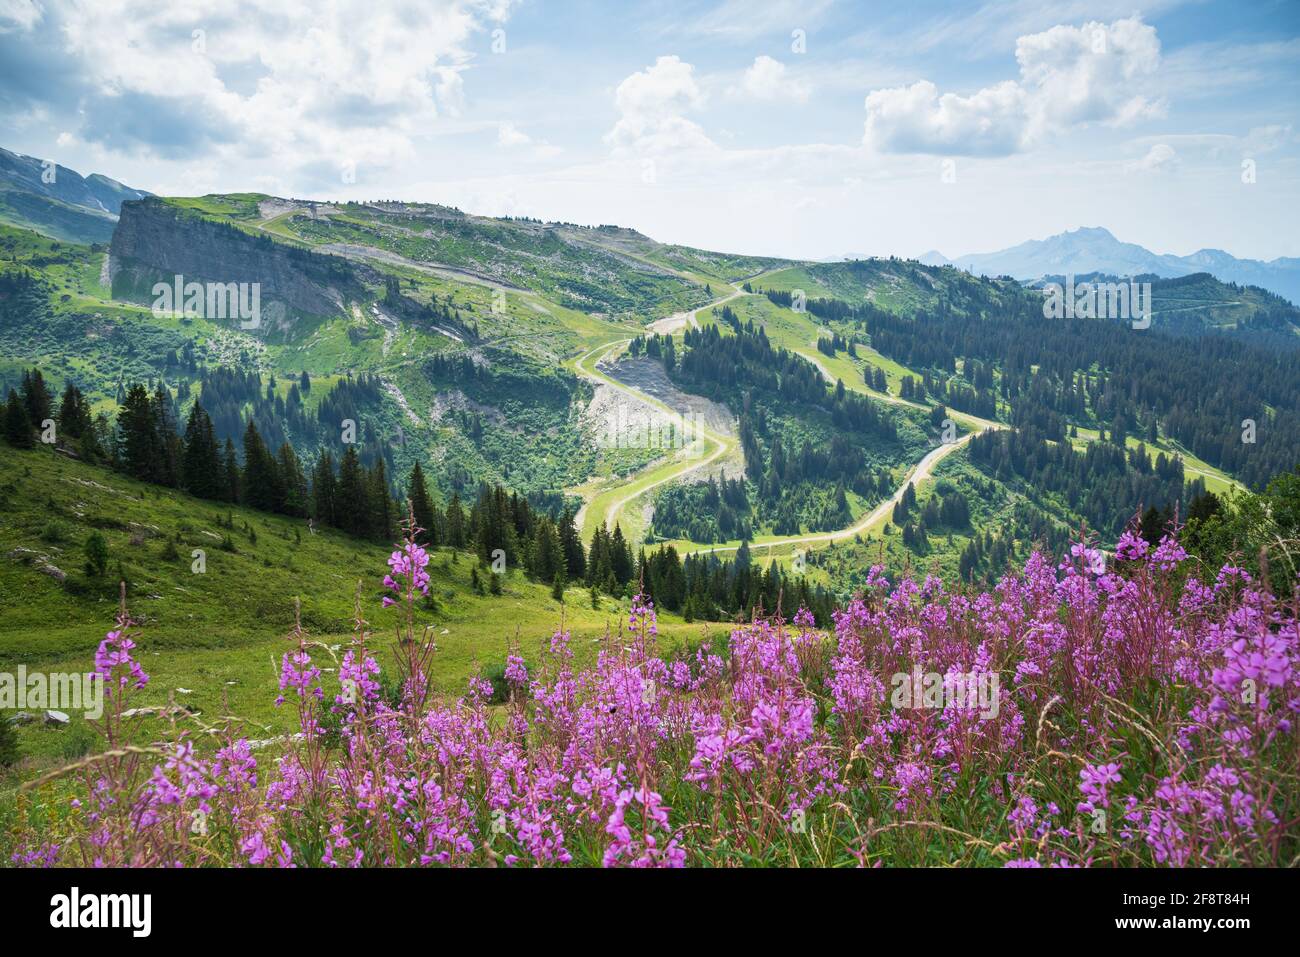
point(457, 341)
point(220, 633)
point(60, 202)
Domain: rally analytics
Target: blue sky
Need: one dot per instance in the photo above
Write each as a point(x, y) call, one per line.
point(811, 128)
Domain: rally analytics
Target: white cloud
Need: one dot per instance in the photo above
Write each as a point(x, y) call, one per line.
point(768, 79)
point(510, 135)
point(1069, 76)
point(1161, 158)
point(340, 77)
point(18, 15)
point(652, 103)
point(1266, 139)
point(916, 119)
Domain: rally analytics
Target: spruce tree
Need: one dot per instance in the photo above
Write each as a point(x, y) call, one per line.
point(138, 448)
point(620, 556)
point(351, 505)
point(293, 483)
point(260, 481)
point(422, 509)
point(168, 444)
point(231, 486)
point(18, 427)
point(456, 522)
point(201, 466)
point(381, 518)
point(74, 413)
point(575, 559)
point(36, 398)
point(324, 491)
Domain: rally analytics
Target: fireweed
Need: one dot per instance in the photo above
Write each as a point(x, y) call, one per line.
point(1146, 717)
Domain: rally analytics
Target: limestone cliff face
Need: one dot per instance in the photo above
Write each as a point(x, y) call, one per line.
point(154, 242)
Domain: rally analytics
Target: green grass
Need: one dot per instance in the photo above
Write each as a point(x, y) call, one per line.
point(1215, 480)
point(220, 634)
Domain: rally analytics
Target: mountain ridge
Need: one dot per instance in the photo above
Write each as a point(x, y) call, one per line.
point(1094, 249)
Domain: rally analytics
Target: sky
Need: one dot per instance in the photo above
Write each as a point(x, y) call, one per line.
point(804, 128)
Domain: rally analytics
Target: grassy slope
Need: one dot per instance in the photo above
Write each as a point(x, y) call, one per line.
point(220, 634)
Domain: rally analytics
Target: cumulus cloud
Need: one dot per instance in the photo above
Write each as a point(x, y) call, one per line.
point(1161, 158)
point(511, 137)
point(1069, 76)
point(301, 84)
point(768, 79)
point(652, 104)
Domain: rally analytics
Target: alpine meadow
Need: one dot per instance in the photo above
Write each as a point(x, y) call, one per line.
point(376, 492)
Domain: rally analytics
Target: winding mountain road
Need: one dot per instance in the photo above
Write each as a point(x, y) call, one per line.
point(610, 503)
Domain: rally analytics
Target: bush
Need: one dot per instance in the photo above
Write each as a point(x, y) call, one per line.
point(8, 742)
point(78, 740)
point(496, 674)
point(96, 555)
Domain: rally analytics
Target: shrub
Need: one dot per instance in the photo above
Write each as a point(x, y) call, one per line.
point(96, 555)
point(8, 742)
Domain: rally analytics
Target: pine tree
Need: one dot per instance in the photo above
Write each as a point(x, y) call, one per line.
point(351, 506)
point(380, 524)
point(137, 438)
point(18, 427)
point(36, 398)
point(546, 556)
point(293, 483)
point(74, 413)
point(168, 451)
point(455, 522)
point(557, 586)
point(261, 481)
point(422, 509)
point(575, 559)
point(620, 556)
point(231, 486)
point(201, 472)
point(324, 491)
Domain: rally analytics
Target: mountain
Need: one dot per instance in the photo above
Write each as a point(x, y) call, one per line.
point(1095, 249)
point(58, 201)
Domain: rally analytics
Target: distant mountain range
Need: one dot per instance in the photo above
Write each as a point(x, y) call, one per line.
point(1096, 250)
point(58, 201)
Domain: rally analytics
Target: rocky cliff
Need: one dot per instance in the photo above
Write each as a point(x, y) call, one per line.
point(156, 241)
